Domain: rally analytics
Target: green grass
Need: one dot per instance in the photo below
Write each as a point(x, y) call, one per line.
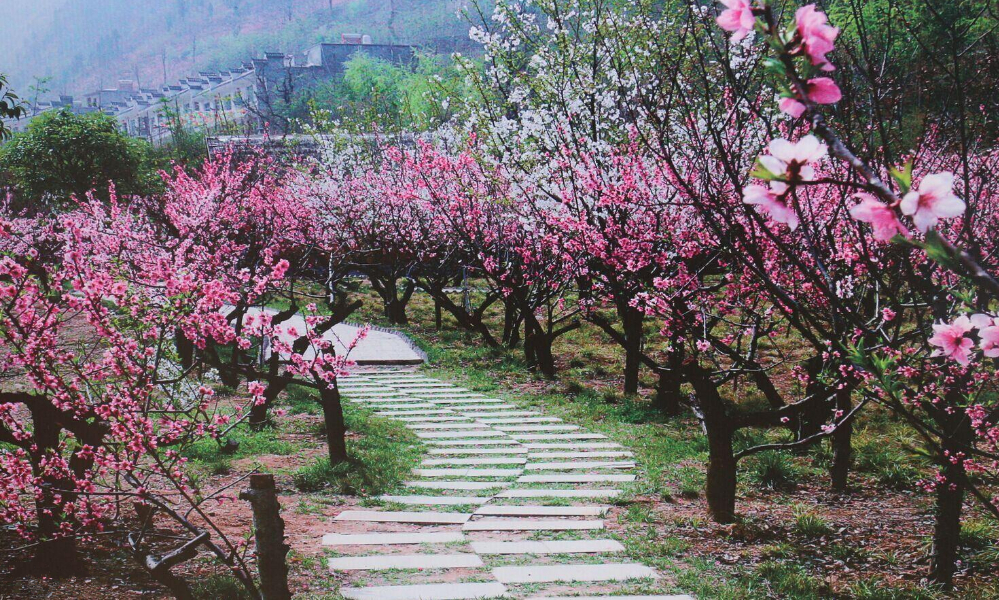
point(218, 587)
point(382, 453)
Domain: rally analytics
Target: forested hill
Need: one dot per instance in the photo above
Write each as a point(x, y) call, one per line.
point(82, 44)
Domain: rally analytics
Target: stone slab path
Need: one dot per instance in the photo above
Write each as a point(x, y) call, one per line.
point(507, 503)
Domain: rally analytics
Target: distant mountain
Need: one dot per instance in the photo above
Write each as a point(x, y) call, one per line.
point(84, 44)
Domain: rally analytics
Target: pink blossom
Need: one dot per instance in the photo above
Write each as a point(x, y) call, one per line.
point(790, 106)
point(738, 18)
point(817, 36)
point(935, 200)
point(771, 200)
point(881, 217)
point(951, 341)
point(823, 90)
point(792, 160)
point(988, 334)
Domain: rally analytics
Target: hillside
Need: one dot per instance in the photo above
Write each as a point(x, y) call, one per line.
point(83, 44)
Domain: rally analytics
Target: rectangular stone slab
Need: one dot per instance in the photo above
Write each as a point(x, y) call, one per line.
point(437, 500)
point(515, 428)
point(574, 478)
point(550, 547)
point(466, 451)
point(573, 573)
point(507, 460)
point(447, 425)
point(399, 413)
point(559, 494)
point(422, 518)
point(530, 525)
point(594, 454)
point(503, 413)
point(674, 597)
point(439, 400)
point(474, 442)
point(574, 446)
point(381, 399)
point(457, 485)
point(470, 409)
point(391, 539)
point(515, 420)
point(573, 466)
point(431, 419)
point(468, 472)
point(541, 511)
point(404, 561)
point(397, 406)
point(432, 591)
point(559, 436)
point(429, 435)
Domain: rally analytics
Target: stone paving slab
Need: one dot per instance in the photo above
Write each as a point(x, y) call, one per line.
point(576, 446)
point(542, 511)
point(429, 435)
point(391, 539)
point(433, 591)
point(484, 451)
point(431, 419)
point(437, 500)
point(574, 478)
point(468, 472)
point(401, 413)
point(593, 454)
point(560, 436)
point(505, 413)
point(438, 400)
point(548, 547)
point(465, 451)
point(447, 425)
point(457, 485)
point(404, 561)
point(507, 460)
point(518, 428)
point(573, 466)
point(559, 494)
point(680, 597)
point(397, 406)
point(474, 442)
point(574, 573)
point(468, 410)
point(515, 420)
point(388, 516)
point(531, 525)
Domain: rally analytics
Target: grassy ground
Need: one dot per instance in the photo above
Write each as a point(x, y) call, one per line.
point(795, 538)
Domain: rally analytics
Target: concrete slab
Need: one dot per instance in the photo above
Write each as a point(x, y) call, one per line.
point(542, 511)
point(467, 472)
point(399, 413)
point(391, 539)
point(593, 454)
point(457, 485)
point(500, 413)
point(404, 561)
point(402, 406)
point(574, 446)
point(447, 425)
point(531, 525)
point(486, 451)
point(515, 420)
point(559, 436)
point(474, 442)
point(421, 518)
point(481, 460)
point(573, 573)
point(575, 466)
point(550, 547)
point(559, 494)
point(518, 428)
point(432, 591)
point(575, 478)
point(429, 435)
point(437, 500)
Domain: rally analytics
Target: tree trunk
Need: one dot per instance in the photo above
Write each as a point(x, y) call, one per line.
point(632, 321)
point(668, 394)
point(947, 529)
point(56, 554)
point(336, 428)
point(720, 486)
point(842, 444)
point(268, 532)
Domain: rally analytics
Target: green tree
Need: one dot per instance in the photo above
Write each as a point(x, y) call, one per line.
point(62, 155)
point(10, 107)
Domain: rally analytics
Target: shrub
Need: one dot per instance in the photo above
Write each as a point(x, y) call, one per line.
point(776, 471)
